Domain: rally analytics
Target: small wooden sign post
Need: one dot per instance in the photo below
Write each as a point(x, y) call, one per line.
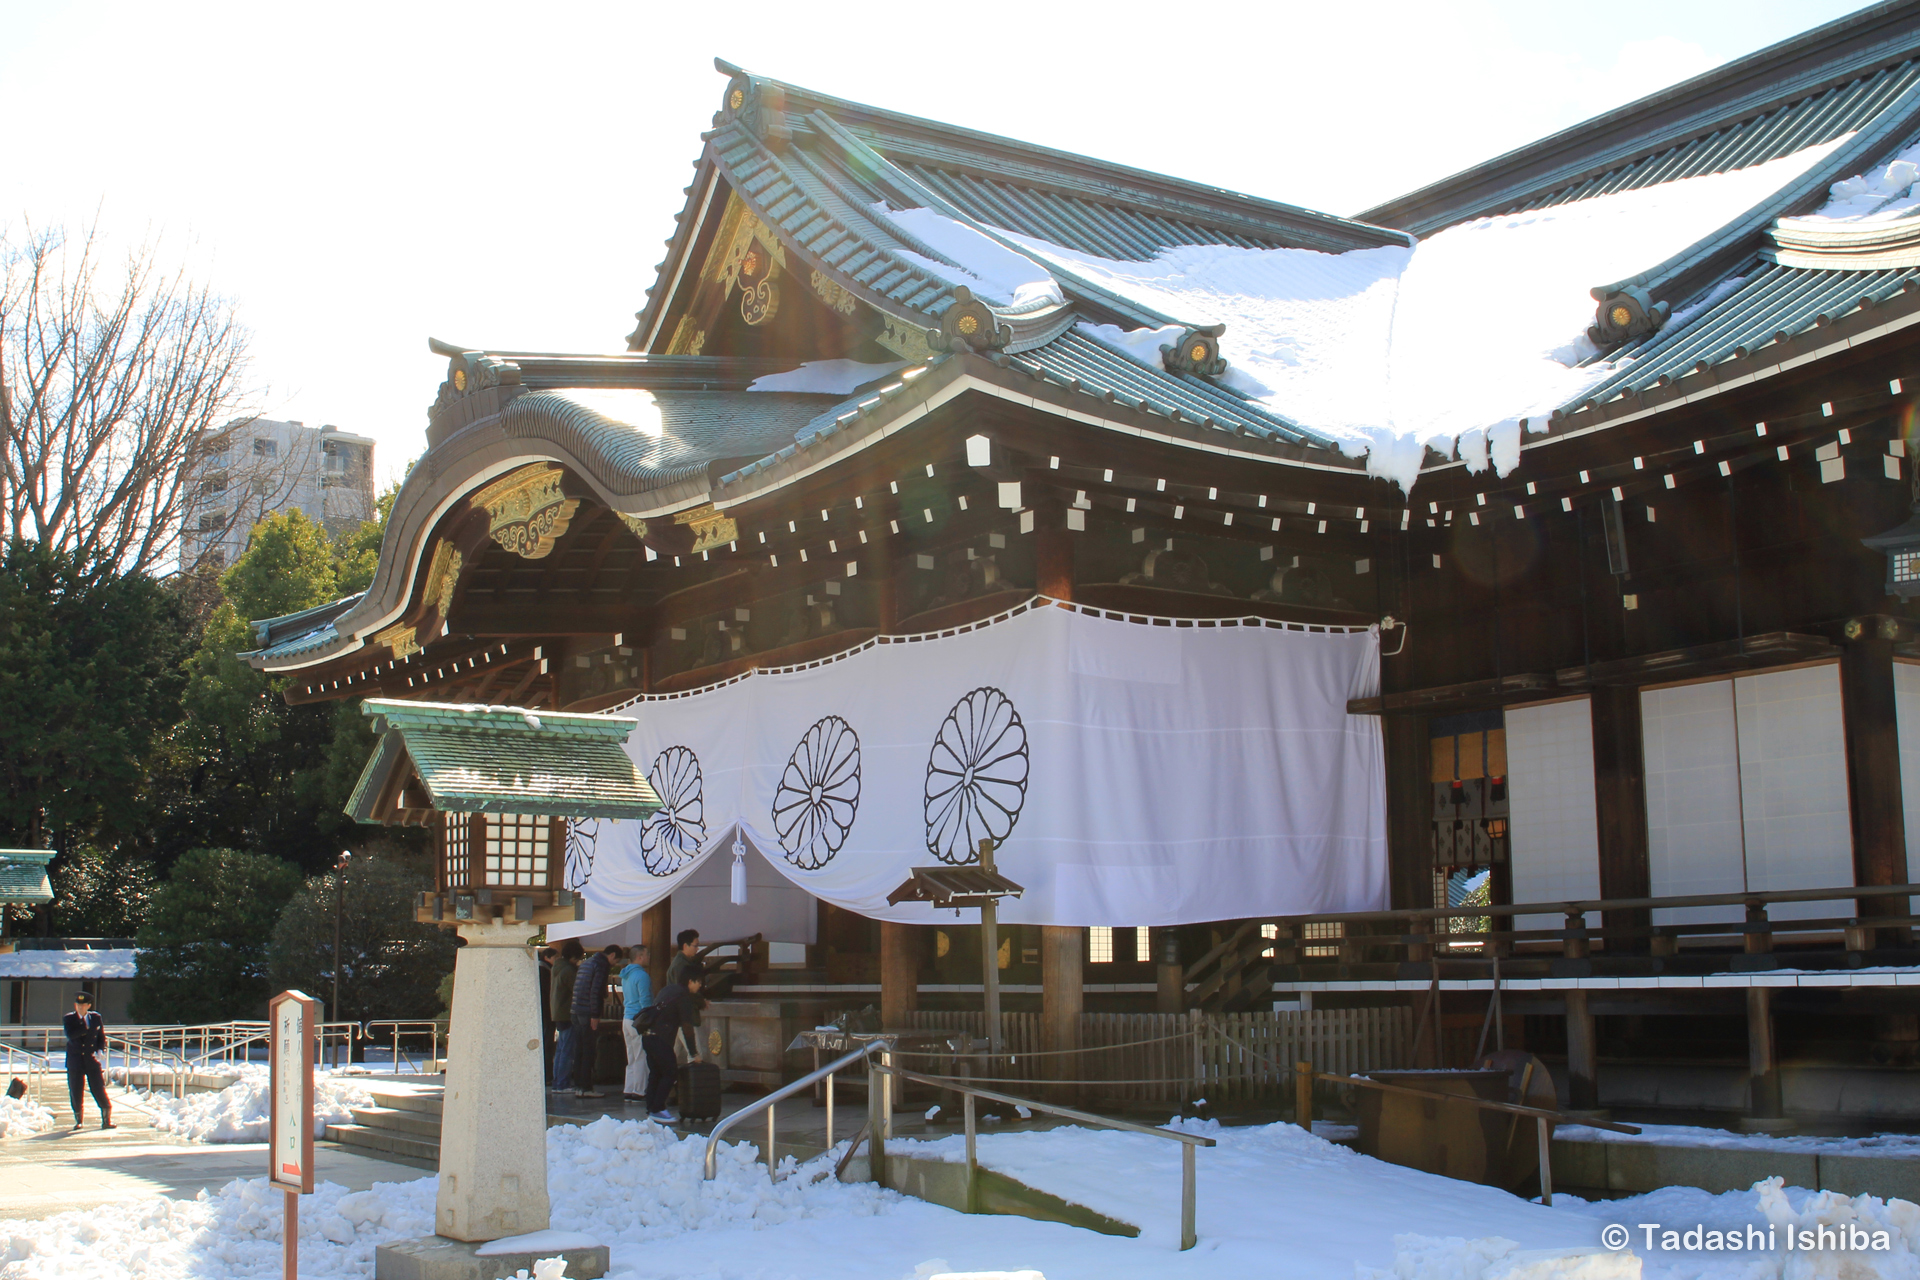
point(295, 1019)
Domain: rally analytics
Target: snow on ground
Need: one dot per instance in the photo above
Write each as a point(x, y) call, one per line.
point(1686, 1135)
point(21, 1116)
point(1458, 338)
point(238, 1113)
point(1273, 1201)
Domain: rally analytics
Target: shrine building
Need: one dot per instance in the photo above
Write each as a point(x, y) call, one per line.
point(1285, 596)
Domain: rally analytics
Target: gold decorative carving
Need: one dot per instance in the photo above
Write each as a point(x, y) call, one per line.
point(401, 640)
point(635, 525)
point(761, 303)
point(526, 510)
point(711, 530)
point(443, 575)
point(833, 295)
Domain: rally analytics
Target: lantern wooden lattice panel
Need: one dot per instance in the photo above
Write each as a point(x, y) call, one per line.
point(456, 866)
point(518, 851)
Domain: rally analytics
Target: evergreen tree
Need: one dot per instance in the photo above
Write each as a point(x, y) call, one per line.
point(204, 944)
point(89, 677)
point(390, 965)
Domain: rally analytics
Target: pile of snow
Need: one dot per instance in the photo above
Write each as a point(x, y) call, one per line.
point(238, 1113)
point(1453, 341)
point(22, 1116)
point(1493, 1258)
point(1879, 195)
point(619, 1182)
point(1265, 1193)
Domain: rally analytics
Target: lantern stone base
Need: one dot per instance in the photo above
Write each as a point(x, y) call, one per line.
point(493, 1124)
point(438, 1258)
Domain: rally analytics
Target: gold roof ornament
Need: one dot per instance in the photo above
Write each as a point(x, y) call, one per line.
point(527, 512)
point(443, 575)
point(711, 530)
point(401, 640)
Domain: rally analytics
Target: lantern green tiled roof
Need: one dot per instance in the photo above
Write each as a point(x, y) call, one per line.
point(23, 875)
point(490, 759)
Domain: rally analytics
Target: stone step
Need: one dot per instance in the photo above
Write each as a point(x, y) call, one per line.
point(386, 1142)
point(417, 1124)
point(429, 1101)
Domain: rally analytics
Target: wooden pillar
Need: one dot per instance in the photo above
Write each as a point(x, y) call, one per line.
point(899, 974)
point(887, 590)
point(656, 931)
point(1583, 1091)
point(1409, 766)
point(1873, 774)
point(1052, 552)
point(1170, 976)
point(1763, 1070)
point(1062, 998)
point(1620, 811)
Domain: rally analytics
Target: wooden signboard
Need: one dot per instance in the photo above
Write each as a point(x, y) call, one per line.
point(294, 1020)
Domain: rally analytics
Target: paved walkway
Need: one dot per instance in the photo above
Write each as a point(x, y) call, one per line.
point(66, 1168)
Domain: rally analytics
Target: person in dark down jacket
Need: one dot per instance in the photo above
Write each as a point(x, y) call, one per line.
point(674, 1014)
point(589, 999)
point(566, 968)
point(86, 1040)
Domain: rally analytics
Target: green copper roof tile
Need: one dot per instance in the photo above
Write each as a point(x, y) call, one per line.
point(489, 759)
point(23, 875)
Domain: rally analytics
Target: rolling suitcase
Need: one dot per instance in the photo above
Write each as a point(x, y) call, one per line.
point(699, 1086)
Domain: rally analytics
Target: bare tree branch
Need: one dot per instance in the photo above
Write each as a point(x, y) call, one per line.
point(110, 386)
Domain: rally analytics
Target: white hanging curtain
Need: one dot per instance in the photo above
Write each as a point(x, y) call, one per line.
point(1136, 773)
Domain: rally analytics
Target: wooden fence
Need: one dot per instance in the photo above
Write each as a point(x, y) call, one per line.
point(1174, 1057)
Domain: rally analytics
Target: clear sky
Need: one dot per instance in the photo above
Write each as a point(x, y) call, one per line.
point(357, 177)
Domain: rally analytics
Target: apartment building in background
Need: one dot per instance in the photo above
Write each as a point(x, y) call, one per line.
point(257, 467)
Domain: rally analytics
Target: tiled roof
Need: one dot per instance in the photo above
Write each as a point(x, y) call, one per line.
point(23, 875)
point(1082, 363)
point(293, 634)
point(1771, 302)
point(483, 759)
point(824, 173)
point(1813, 88)
point(1077, 362)
point(638, 440)
point(1817, 118)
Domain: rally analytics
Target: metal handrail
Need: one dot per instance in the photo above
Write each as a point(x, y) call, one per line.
point(1188, 1141)
point(768, 1103)
point(432, 1027)
point(1542, 1117)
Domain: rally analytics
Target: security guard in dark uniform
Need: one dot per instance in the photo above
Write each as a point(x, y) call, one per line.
point(86, 1040)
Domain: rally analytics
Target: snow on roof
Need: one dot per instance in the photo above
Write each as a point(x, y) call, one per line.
point(826, 377)
point(1452, 342)
point(991, 270)
point(68, 964)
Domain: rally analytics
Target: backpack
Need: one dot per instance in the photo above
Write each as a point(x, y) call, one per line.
point(643, 1021)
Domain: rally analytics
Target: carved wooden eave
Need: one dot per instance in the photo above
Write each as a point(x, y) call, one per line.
point(527, 510)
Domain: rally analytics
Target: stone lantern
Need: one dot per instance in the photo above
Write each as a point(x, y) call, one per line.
point(499, 786)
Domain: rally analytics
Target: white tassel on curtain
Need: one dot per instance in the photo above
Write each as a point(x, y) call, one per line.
point(739, 882)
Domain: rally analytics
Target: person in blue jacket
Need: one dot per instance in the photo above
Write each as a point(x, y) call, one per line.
point(636, 993)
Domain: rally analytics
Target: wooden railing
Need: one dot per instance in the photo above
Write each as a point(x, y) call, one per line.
point(1174, 1057)
point(1407, 943)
